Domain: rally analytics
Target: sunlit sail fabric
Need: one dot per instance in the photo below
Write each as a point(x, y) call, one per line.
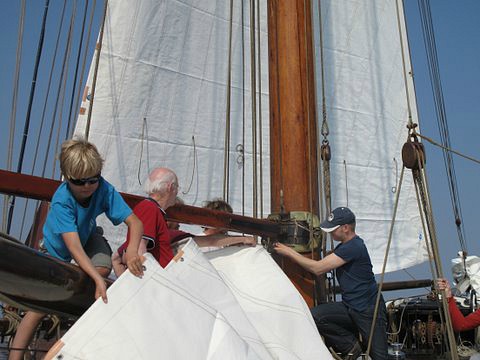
point(161, 93)
point(197, 274)
point(161, 101)
point(149, 318)
point(367, 118)
point(270, 301)
point(190, 310)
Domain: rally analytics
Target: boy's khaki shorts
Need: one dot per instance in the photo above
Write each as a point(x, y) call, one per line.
point(96, 248)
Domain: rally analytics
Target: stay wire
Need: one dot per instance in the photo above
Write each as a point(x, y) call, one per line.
point(77, 65)
point(253, 81)
point(63, 87)
point(436, 84)
point(26, 127)
point(59, 92)
point(260, 121)
point(226, 154)
point(243, 106)
point(42, 121)
point(95, 72)
point(13, 112)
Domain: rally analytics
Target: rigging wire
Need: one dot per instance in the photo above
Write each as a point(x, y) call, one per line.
point(18, 58)
point(436, 83)
point(260, 122)
point(95, 72)
point(325, 152)
point(42, 121)
point(423, 196)
point(433, 142)
point(59, 91)
point(253, 82)
point(29, 108)
point(70, 129)
point(226, 156)
point(243, 107)
point(64, 88)
point(82, 32)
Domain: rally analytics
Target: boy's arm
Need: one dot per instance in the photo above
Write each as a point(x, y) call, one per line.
point(224, 240)
point(132, 259)
point(316, 267)
point(72, 241)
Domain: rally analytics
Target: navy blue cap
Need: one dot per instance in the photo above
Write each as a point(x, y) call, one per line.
point(339, 216)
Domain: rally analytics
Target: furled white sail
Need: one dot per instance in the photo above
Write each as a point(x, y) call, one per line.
point(367, 117)
point(161, 96)
point(193, 310)
point(149, 318)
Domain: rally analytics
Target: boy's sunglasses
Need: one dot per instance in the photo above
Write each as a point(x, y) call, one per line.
point(81, 182)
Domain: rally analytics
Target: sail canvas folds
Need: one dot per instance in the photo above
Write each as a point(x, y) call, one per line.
point(193, 311)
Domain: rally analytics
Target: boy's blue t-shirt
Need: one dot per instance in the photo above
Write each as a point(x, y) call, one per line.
point(359, 288)
point(67, 215)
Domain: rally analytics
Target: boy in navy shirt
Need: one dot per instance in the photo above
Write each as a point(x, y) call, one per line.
point(340, 322)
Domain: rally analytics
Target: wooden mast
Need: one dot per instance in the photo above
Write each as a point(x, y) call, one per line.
point(293, 129)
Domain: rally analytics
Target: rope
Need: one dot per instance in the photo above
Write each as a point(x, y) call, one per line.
point(42, 121)
point(226, 159)
point(13, 112)
point(243, 107)
point(95, 72)
point(253, 83)
point(26, 127)
point(433, 142)
point(260, 122)
point(64, 86)
point(387, 250)
point(194, 166)
point(434, 72)
point(82, 72)
point(327, 190)
point(279, 120)
point(404, 66)
point(346, 179)
point(144, 125)
point(75, 76)
point(422, 184)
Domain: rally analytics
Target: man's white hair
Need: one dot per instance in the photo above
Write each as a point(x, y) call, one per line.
point(158, 181)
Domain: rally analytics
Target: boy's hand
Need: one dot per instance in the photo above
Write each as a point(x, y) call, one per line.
point(283, 249)
point(134, 263)
point(101, 290)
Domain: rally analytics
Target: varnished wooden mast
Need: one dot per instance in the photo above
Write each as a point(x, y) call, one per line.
point(293, 129)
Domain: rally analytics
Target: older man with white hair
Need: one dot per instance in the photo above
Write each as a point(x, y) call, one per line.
point(162, 188)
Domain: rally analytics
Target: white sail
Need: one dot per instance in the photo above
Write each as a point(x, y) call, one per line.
point(163, 81)
point(160, 98)
point(168, 313)
point(367, 117)
point(133, 324)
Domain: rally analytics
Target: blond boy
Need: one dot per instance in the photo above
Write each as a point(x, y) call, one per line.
point(70, 230)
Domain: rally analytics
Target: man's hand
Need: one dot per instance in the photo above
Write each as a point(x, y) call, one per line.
point(443, 284)
point(134, 262)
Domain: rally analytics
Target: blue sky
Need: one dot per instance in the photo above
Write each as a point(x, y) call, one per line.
point(457, 30)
